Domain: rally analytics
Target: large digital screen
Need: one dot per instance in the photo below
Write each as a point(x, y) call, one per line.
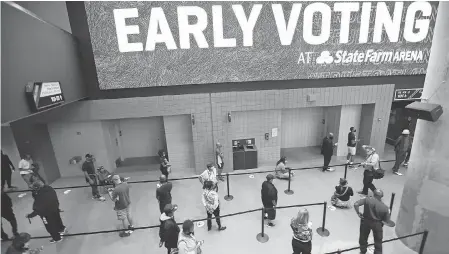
point(147, 44)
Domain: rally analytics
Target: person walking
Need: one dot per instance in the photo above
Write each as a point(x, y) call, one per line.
point(302, 233)
point(281, 171)
point(269, 195)
point(409, 151)
point(163, 192)
point(375, 215)
point(26, 170)
point(21, 245)
point(187, 243)
point(7, 169)
point(352, 144)
point(342, 195)
point(327, 150)
point(46, 205)
point(371, 164)
point(168, 230)
point(8, 214)
point(210, 174)
point(211, 202)
point(120, 195)
point(165, 166)
point(88, 168)
point(401, 146)
point(220, 160)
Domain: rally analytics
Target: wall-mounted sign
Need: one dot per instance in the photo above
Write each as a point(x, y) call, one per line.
point(43, 95)
point(408, 94)
point(145, 44)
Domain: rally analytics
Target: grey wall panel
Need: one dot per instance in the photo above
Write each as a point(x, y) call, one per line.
point(54, 12)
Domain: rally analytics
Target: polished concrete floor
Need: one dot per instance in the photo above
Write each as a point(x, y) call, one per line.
point(82, 214)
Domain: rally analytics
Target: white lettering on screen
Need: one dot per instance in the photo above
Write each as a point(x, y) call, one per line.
point(364, 22)
point(392, 25)
point(247, 24)
point(286, 31)
point(421, 25)
point(158, 20)
point(120, 15)
point(345, 9)
point(309, 12)
point(196, 30)
point(217, 21)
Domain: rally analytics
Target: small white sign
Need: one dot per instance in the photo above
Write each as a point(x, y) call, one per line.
point(50, 88)
point(274, 132)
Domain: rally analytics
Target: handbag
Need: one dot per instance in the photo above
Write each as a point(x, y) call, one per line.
point(379, 173)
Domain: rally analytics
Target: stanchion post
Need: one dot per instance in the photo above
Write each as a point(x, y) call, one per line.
point(288, 191)
point(262, 237)
point(322, 231)
point(228, 197)
point(346, 170)
point(423, 241)
point(392, 202)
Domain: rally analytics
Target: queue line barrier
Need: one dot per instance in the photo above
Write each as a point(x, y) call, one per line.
point(180, 224)
point(425, 233)
point(196, 177)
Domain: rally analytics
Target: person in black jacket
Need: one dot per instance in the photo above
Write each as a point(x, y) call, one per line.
point(169, 230)
point(163, 192)
point(7, 169)
point(8, 214)
point(327, 150)
point(342, 195)
point(269, 199)
point(46, 205)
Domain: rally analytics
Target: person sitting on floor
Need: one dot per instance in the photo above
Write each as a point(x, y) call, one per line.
point(281, 170)
point(342, 195)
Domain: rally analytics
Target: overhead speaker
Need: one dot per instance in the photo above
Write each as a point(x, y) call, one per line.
point(424, 111)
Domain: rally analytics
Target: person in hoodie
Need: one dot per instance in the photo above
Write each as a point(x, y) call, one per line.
point(163, 192)
point(302, 233)
point(187, 243)
point(21, 245)
point(212, 204)
point(46, 205)
point(269, 195)
point(169, 230)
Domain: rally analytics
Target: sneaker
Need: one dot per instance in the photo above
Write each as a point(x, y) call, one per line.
point(397, 173)
point(361, 193)
point(63, 231)
point(405, 165)
point(54, 241)
point(101, 198)
point(126, 178)
point(124, 234)
point(270, 224)
point(131, 228)
point(222, 228)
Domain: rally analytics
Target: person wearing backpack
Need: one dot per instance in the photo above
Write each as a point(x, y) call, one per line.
point(371, 165)
point(187, 243)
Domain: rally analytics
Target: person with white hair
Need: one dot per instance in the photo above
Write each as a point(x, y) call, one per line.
point(402, 145)
point(371, 164)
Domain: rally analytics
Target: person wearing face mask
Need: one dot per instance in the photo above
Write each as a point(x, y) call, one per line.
point(269, 195)
point(371, 164)
point(187, 243)
point(210, 174)
point(352, 143)
point(21, 245)
point(327, 150)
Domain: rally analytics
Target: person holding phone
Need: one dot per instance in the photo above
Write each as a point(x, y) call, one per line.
point(187, 243)
point(91, 177)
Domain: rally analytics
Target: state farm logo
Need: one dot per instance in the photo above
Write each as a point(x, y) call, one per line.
point(367, 56)
point(325, 58)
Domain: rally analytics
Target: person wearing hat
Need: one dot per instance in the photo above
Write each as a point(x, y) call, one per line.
point(327, 150)
point(88, 168)
point(371, 164)
point(120, 195)
point(220, 160)
point(210, 174)
point(401, 146)
point(269, 195)
point(342, 195)
point(46, 205)
point(21, 245)
point(169, 229)
point(187, 243)
point(212, 204)
point(163, 192)
point(8, 214)
point(375, 215)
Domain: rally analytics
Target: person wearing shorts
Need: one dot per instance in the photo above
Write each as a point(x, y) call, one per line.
point(352, 143)
point(120, 195)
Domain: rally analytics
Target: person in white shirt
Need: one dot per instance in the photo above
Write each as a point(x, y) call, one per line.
point(212, 204)
point(371, 165)
point(26, 169)
point(210, 174)
point(187, 243)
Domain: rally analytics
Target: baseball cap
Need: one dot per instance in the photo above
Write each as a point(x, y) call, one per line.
point(406, 132)
point(169, 208)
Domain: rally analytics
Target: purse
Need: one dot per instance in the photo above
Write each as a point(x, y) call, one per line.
point(379, 173)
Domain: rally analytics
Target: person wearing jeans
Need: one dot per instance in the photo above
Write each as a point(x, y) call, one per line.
point(91, 177)
point(212, 204)
point(402, 145)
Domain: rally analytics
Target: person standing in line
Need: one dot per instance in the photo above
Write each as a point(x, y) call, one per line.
point(375, 215)
point(352, 144)
point(187, 243)
point(26, 170)
point(120, 195)
point(342, 195)
point(220, 160)
point(46, 205)
point(88, 168)
point(402, 145)
point(165, 166)
point(21, 245)
point(327, 150)
point(371, 164)
point(269, 195)
point(409, 151)
point(8, 214)
point(302, 233)
point(163, 192)
point(168, 230)
point(7, 169)
point(211, 202)
point(210, 174)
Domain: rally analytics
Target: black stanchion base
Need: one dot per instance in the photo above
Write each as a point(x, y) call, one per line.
point(322, 232)
point(262, 238)
point(228, 197)
point(289, 192)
